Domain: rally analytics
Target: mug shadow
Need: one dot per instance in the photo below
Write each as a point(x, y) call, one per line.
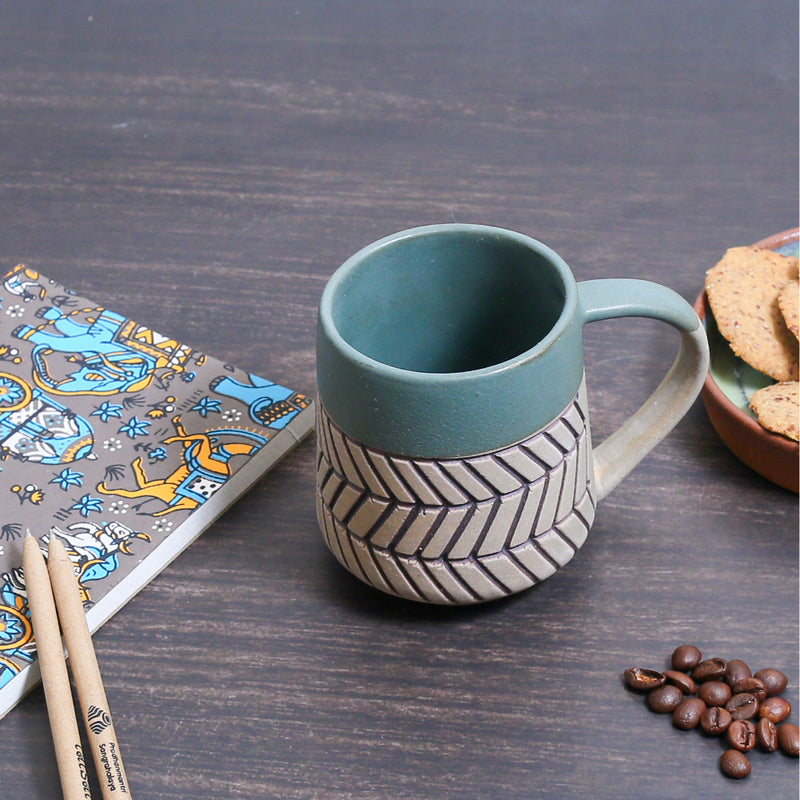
point(346, 591)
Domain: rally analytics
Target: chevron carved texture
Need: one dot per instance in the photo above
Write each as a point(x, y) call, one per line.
point(458, 531)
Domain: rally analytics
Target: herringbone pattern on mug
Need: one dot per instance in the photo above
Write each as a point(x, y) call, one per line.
point(457, 531)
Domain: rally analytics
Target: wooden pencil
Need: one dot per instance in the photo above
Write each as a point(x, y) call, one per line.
point(52, 663)
point(102, 736)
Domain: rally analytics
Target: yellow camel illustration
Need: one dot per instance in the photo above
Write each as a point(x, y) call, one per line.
point(205, 469)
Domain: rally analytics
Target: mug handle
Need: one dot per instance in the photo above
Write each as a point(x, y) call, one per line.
point(610, 298)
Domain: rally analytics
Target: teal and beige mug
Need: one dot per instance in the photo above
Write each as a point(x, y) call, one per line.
point(454, 458)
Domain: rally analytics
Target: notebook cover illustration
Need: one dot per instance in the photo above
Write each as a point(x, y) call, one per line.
point(122, 442)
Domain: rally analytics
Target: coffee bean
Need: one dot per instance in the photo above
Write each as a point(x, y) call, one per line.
point(734, 764)
point(686, 657)
point(714, 693)
point(789, 739)
point(735, 670)
point(752, 685)
point(680, 679)
point(742, 706)
point(665, 699)
point(643, 680)
point(687, 713)
point(711, 669)
point(767, 735)
point(773, 679)
point(715, 721)
point(742, 735)
point(775, 709)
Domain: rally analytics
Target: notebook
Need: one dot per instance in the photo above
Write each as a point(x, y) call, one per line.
point(121, 441)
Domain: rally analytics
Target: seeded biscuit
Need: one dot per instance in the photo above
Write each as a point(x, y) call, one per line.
point(743, 291)
point(789, 304)
point(777, 408)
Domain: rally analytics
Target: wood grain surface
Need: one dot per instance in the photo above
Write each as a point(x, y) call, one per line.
point(160, 157)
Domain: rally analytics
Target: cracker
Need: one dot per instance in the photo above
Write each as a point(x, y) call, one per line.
point(777, 408)
point(743, 291)
point(789, 304)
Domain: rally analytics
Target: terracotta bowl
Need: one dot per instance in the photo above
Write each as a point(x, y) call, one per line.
point(727, 390)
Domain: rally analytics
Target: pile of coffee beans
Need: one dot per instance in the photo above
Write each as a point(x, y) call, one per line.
point(721, 698)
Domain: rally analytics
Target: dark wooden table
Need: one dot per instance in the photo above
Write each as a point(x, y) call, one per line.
point(160, 156)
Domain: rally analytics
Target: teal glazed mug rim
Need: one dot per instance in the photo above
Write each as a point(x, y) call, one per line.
point(357, 263)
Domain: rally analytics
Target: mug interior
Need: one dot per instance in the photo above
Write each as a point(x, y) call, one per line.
point(449, 301)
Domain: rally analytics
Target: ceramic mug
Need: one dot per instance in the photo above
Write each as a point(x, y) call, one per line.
point(454, 458)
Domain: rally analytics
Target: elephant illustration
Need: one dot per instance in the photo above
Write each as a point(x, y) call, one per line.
point(98, 352)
